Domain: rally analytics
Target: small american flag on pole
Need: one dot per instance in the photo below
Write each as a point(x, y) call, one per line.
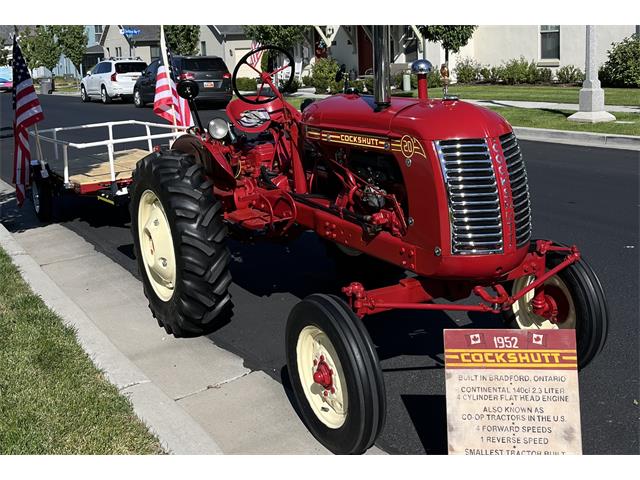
point(256, 58)
point(27, 112)
point(167, 103)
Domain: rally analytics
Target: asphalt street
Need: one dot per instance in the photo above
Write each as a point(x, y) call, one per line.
point(581, 195)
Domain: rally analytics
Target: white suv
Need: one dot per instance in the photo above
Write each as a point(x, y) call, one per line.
point(111, 79)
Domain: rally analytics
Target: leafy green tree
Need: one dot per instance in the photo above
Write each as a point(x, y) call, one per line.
point(451, 37)
point(73, 42)
point(183, 39)
point(283, 36)
point(4, 53)
point(40, 47)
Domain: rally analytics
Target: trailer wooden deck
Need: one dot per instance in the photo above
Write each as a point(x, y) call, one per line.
point(93, 169)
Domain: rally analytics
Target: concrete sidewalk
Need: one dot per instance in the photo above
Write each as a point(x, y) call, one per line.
point(238, 410)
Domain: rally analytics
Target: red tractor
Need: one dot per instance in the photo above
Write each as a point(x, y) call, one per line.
point(436, 188)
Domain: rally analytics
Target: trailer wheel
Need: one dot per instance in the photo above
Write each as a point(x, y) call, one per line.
point(581, 304)
point(335, 374)
point(42, 197)
point(179, 240)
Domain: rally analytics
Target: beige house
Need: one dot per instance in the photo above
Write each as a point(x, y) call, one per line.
point(550, 46)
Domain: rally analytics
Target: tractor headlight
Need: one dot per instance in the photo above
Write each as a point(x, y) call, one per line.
point(218, 128)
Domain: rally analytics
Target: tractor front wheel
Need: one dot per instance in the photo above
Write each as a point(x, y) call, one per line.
point(179, 240)
point(580, 301)
point(335, 374)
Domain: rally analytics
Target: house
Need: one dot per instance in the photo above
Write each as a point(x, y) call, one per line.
point(550, 46)
point(131, 41)
point(226, 41)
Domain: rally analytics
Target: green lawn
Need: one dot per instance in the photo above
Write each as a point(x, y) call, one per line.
point(52, 398)
point(557, 119)
point(536, 93)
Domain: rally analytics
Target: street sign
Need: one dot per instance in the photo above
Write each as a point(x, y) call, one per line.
point(512, 392)
point(129, 32)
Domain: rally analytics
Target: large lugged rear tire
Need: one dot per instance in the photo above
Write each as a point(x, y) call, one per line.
point(581, 302)
point(179, 240)
point(335, 374)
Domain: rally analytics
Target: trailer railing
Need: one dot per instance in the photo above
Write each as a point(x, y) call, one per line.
point(51, 135)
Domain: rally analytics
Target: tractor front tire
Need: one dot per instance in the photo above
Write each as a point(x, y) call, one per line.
point(581, 304)
point(180, 244)
point(335, 374)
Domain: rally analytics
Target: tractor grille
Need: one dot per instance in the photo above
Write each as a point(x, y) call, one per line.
point(474, 205)
point(519, 188)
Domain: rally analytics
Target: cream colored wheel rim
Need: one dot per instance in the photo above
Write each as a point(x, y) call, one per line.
point(329, 405)
point(156, 245)
point(527, 320)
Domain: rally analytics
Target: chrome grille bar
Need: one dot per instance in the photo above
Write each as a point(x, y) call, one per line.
point(474, 205)
point(519, 188)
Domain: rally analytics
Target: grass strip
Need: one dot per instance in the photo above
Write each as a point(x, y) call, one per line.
point(53, 400)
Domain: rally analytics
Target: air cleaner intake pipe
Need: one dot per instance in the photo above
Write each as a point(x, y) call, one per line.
point(382, 77)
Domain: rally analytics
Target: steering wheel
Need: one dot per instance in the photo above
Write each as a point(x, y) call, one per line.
point(264, 77)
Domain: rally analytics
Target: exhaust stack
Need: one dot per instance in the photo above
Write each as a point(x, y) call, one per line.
point(382, 77)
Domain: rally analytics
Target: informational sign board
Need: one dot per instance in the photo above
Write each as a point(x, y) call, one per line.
point(512, 392)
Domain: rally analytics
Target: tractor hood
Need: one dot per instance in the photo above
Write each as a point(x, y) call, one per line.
point(432, 119)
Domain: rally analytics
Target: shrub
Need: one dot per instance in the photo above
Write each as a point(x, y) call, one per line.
point(492, 74)
point(570, 74)
point(433, 79)
point(323, 75)
point(518, 71)
point(544, 75)
point(467, 71)
point(293, 88)
point(622, 68)
point(307, 81)
point(246, 84)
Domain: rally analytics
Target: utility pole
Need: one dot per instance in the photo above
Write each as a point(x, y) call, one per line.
point(591, 94)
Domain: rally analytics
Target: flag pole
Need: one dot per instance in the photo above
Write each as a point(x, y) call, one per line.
point(165, 61)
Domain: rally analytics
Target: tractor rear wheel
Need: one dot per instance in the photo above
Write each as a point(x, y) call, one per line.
point(580, 300)
point(335, 374)
point(180, 246)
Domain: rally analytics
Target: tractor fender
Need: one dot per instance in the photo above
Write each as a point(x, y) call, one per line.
point(210, 157)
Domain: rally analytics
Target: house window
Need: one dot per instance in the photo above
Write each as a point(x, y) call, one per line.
point(549, 42)
point(203, 48)
point(97, 29)
point(118, 51)
point(155, 53)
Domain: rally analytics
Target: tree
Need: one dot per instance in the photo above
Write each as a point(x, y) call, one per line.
point(41, 48)
point(451, 37)
point(4, 53)
point(73, 42)
point(183, 39)
point(283, 36)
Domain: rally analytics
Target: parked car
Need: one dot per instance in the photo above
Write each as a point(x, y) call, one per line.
point(211, 74)
point(5, 84)
point(111, 79)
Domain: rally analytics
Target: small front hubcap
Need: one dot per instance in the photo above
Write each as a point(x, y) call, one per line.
point(156, 245)
point(555, 310)
point(322, 377)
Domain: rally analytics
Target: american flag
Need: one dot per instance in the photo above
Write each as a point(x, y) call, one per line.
point(256, 58)
point(27, 112)
point(167, 103)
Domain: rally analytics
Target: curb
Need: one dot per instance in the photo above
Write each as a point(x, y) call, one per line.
point(587, 139)
point(177, 431)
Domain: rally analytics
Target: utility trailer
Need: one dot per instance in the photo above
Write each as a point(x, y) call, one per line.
point(93, 168)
